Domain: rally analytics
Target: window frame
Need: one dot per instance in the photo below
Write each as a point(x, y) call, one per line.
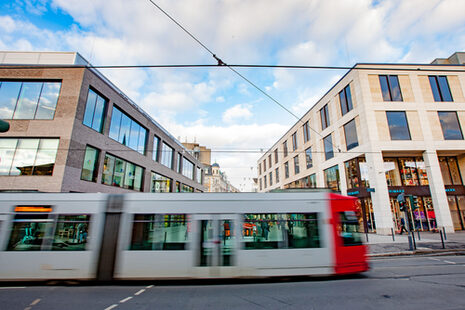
point(324, 116)
point(326, 144)
point(390, 90)
point(406, 127)
point(457, 123)
point(345, 100)
point(440, 90)
point(355, 143)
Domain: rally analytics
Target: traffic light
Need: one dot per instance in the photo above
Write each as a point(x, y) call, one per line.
point(4, 126)
point(413, 202)
point(402, 206)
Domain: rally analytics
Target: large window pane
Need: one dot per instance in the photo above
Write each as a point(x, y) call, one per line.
point(115, 123)
point(139, 177)
point(118, 175)
point(97, 122)
point(108, 168)
point(9, 92)
point(161, 232)
point(450, 126)
point(45, 159)
point(48, 100)
point(167, 155)
point(308, 157)
point(142, 140)
point(280, 231)
point(296, 165)
point(435, 88)
point(7, 151)
point(134, 136)
point(156, 142)
point(395, 88)
point(90, 165)
point(352, 180)
point(392, 172)
point(383, 81)
point(71, 233)
point(124, 130)
point(350, 132)
point(90, 108)
point(160, 184)
point(25, 156)
point(27, 101)
point(28, 232)
point(328, 144)
point(129, 176)
point(444, 88)
point(398, 126)
point(95, 111)
point(408, 171)
point(332, 178)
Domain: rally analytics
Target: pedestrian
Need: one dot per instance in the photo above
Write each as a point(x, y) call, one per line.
point(402, 226)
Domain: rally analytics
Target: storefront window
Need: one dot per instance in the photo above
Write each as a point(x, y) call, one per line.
point(351, 173)
point(408, 171)
point(332, 178)
point(421, 169)
point(363, 172)
point(450, 171)
point(392, 172)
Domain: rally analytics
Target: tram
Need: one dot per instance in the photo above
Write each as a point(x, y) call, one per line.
point(46, 236)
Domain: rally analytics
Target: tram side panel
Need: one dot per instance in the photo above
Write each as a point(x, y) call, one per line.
point(45, 237)
point(294, 239)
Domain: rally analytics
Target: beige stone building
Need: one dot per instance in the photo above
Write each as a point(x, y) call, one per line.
point(72, 130)
point(383, 130)
point(216, 181)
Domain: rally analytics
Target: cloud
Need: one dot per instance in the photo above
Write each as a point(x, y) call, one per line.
point(237, 113)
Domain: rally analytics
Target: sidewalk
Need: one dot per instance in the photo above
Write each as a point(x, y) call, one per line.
point(380, 245)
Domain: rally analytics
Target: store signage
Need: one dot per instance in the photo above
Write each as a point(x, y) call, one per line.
point(369, 189)
point(353, 193)
point(450, 189)
point(396, 190)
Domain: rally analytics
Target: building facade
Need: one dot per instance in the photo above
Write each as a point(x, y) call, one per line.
point(216, 181)
point(383, 130)
point(72, 130)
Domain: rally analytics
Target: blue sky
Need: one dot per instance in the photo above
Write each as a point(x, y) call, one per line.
point(214, 106)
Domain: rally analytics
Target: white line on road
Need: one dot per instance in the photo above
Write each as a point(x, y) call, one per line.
point(150, 286)
point(11, 287)
point(28, 308)
point(35, 302)
point(126, 299)
point(449, 262)
point(111, 307)
point(435, 259)
point(139, 292)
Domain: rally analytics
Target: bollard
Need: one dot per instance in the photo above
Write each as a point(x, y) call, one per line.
point(418, 231)
point(442, 239)
point(444, 232)
point(366, 235)
point(413, 237)
point(392, 231)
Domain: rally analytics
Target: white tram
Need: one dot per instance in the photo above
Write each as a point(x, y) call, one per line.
point(184, 235)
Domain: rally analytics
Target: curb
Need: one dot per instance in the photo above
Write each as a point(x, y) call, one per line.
point(439, 252)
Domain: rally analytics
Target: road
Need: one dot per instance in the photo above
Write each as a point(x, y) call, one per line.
point(415, 282)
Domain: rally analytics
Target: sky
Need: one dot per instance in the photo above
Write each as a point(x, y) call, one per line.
point(214, 106)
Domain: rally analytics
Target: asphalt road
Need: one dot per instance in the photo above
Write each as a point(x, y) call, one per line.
point(433, 282)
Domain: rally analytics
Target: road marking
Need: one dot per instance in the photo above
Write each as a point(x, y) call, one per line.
point(435, 259)
point(11, 287)
point(35, 302)
point(150, 286)
point(139, 292)
point(111, 307)
point(28, 308)
point(126, 299)
point(449, 262)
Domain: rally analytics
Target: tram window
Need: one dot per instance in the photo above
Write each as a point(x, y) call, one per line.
point(71, 233)
point(281, 231)
point(349, 228)
point(160, 232)
point(28, 232)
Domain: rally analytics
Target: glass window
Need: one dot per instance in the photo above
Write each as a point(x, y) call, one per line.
point(312, 181)
point(398, 126)
point(9, 92)
point(294, 141)
point(160, 232)
point(421, 170)
point(264, 181)
point(276, 173)
point(269, 161)
point(440, 88)
point(28, 100)
point(392, 172)
point(285, 148)
point(271, 178)
point(167, 155)
point(127, 131)
point(286, 169)
point(324, 115)
point(408, 171)
point(156, 142)
point(45, 158)
point(179, 169)
point(450, 171)
point(345, 99)
point(308, 157)
point(160, 184)
point(120, 173)
point(306, 132)
point(28, 232)
point(349, 228)
point(71, 233)
point(350, 132)
point(363, 166)
point(7, 152)
point(450, 126)
point(390, 88)
point(187, 169)
point(280, 231)
point(276, 156)
point(199, 175)
point(23, 161)
point(352, 179)
point(187, 189)
point(95, 111)
point(296, 165)
point(332, 178)
point(48, 100)
point(328, 144)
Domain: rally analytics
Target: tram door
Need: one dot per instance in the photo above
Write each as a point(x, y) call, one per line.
point(217, 243)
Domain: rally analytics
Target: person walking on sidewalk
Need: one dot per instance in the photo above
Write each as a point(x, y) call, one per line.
point(402, 226)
